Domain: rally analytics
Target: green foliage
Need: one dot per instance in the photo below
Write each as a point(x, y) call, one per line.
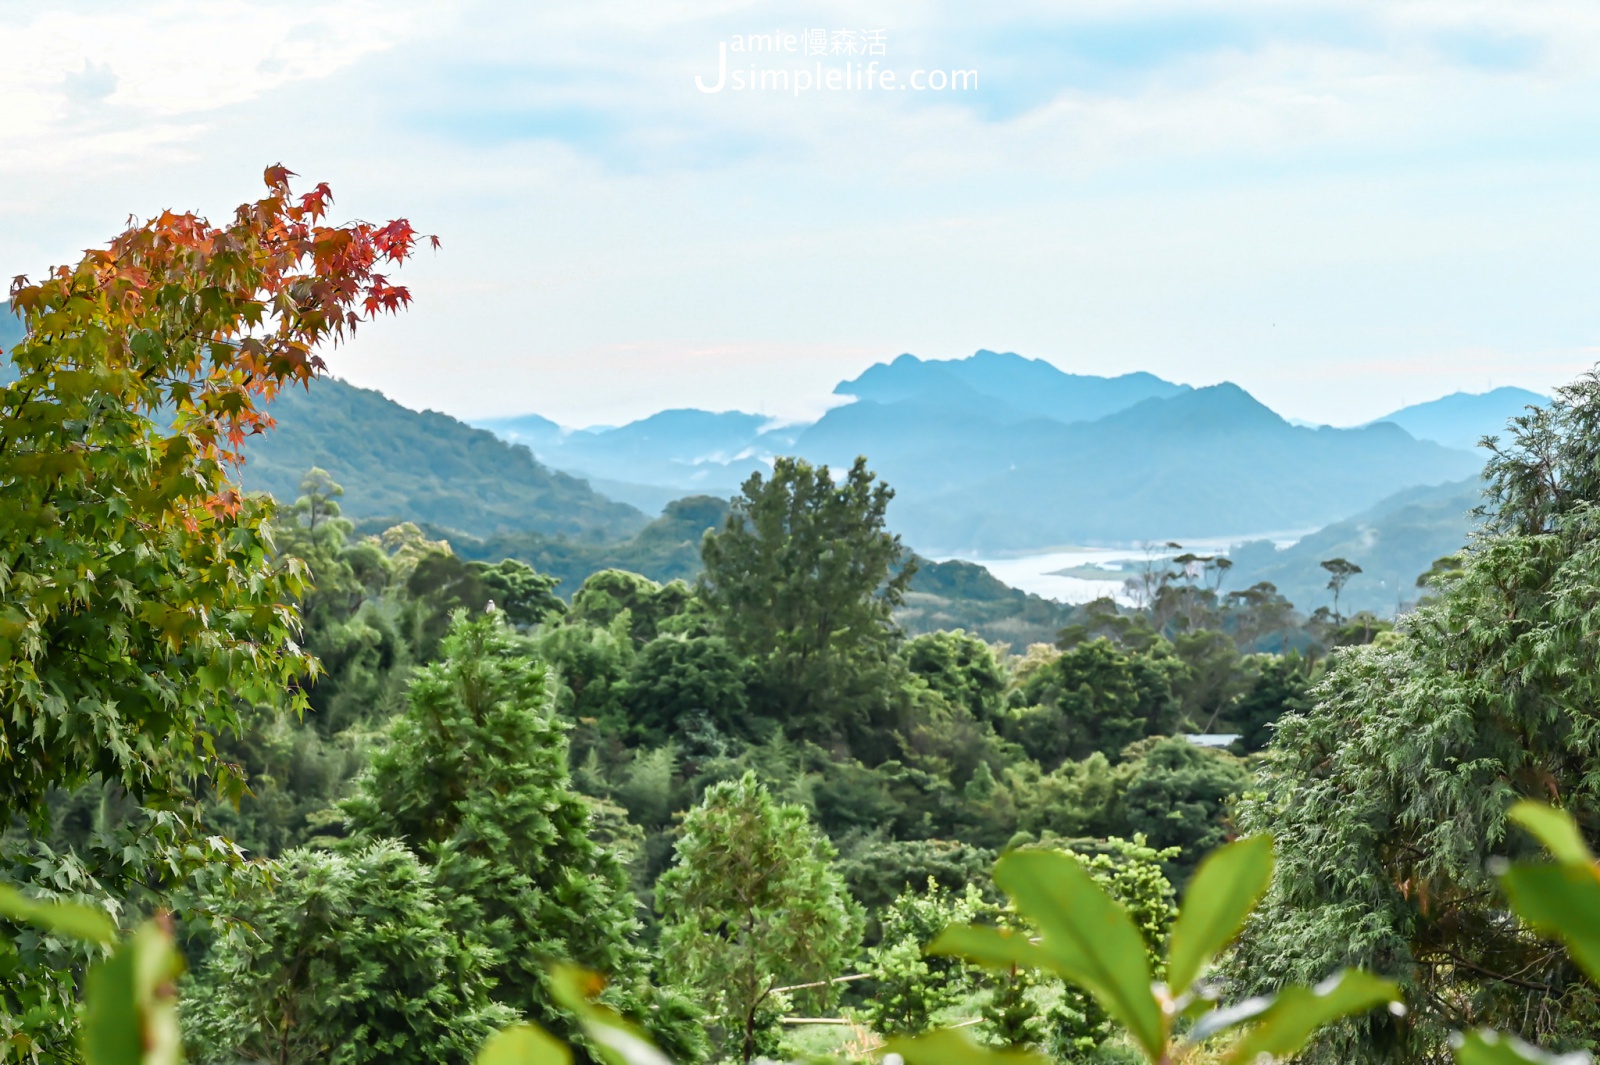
point(1094, 697)
point(474, 776)
point(1178, 796)
point(1281, 687)
point(1389, 796)
point(524, 595)
point(961, 668)
point(1225, 888)
point(803, 578)
point(1558, 900)
point(910, 985)
point(343, 958)
point(606, 594)
point(878, 869)
point(1075, 1025)
point(144, 606)
point(674, 677)
point(139, 608)
point(591, 668)
point(751, 905)
point(130, 1014)
point(1090, 940)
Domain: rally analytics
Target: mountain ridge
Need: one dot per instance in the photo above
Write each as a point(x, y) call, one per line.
point(1462, 418)
point(425, 466)
point(990, 453)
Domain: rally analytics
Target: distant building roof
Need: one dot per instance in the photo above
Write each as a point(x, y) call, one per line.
point(1221, 739)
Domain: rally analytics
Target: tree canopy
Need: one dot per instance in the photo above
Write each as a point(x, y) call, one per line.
point(752, 904)
point(1389, 796)
point(805, 578)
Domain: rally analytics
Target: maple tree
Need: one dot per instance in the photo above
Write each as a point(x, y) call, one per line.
point(141, 596)
point(142, 604)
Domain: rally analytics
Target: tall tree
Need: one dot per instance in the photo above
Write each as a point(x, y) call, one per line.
point(1340, 570)
point(144, 604)
point(804, 575)
point(474, 777)
point(751, 905)
point(1388, 798)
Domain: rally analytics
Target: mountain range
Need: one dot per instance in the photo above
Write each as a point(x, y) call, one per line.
point(11, 330)
point(991, 453)
point(1461, 419)
point(1000, 453)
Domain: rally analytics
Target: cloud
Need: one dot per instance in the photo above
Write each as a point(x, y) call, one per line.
point(162, 68)
point(1238, 189)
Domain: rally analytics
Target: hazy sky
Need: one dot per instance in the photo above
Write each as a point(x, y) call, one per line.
point(1342, 207)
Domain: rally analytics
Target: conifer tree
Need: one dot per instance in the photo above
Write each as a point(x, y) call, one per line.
point(474, 778)
point(342, 958)
point(751, 905)
point(804, 577)
point(1388, 798)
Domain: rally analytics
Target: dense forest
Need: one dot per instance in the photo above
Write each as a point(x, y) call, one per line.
point(282, 786)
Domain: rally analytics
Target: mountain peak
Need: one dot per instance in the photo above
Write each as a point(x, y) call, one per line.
point(1461, 419)
point(1028, 388)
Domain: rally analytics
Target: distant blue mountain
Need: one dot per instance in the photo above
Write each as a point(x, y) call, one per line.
point(656, 459)
point(1029, 387)
point(531, 430)
point(1461, 419)
point(1001, 453)
point(1211, 462)
point(690, 436)
point(10, 327)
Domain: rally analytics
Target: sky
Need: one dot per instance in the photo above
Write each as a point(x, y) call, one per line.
point(1342, 207)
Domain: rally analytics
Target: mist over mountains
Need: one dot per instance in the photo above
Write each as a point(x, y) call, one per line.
point(1000, 453)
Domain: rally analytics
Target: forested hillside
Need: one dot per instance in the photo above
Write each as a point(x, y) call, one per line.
point(423, 466)
point(1394, 543)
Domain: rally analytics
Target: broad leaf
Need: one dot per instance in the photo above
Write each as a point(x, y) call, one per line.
point(1221, 895)
point(130, 1006)
point(948, 1047)
point(1225, 1017)
point(620, 1043)
point(1484, 1047)
point(1561, 901)
point(1089, 938)
point(1283, 1026)
point(997, 948)
point(524, 1044)
point(67, 918)
point(1555, 829)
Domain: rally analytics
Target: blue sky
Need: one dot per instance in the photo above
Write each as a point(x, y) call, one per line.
point(1342, 207)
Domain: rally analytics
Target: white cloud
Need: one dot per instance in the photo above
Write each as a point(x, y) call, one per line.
point(111, 82)
point(1292, 195)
